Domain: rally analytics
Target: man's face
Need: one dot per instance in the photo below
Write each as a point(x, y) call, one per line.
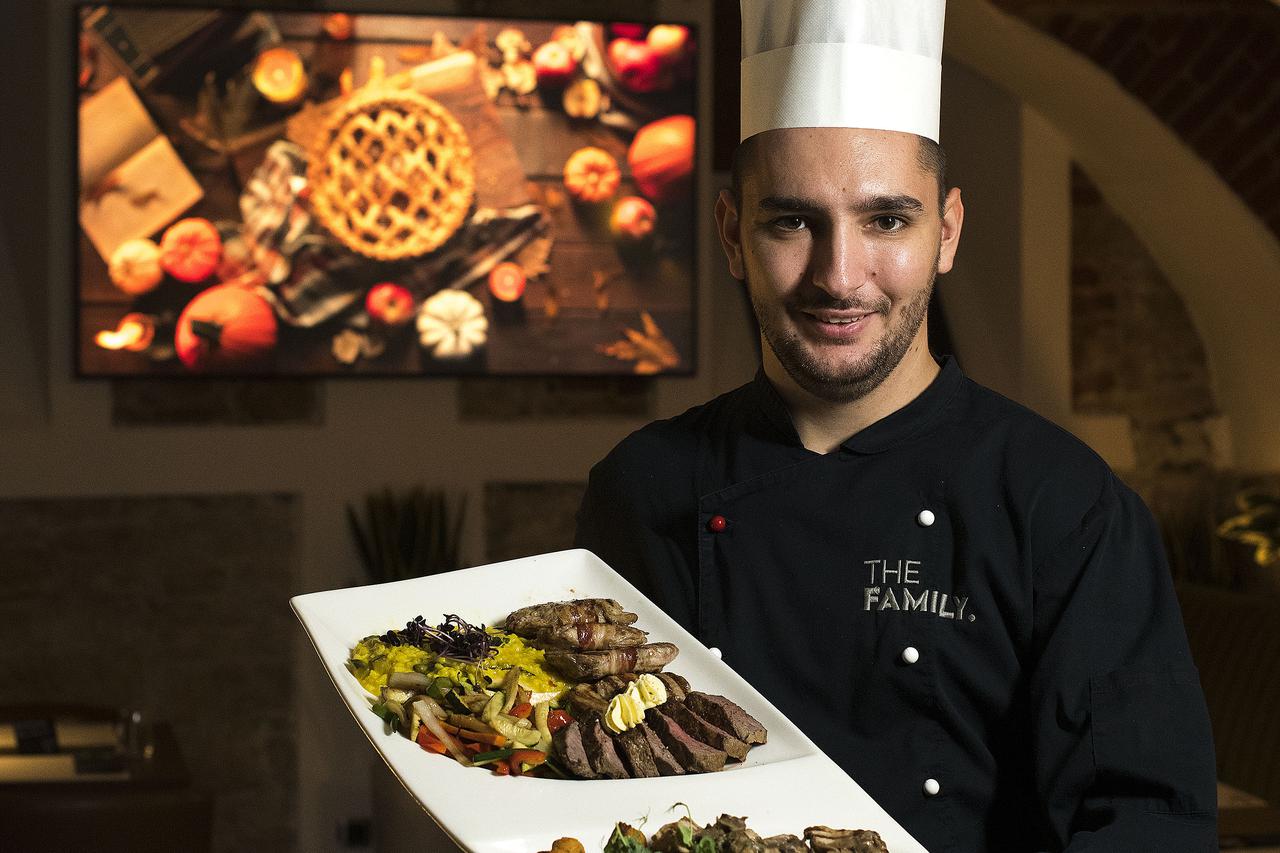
point(838, 238)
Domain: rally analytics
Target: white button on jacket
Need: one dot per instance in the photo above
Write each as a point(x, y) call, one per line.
point(925, 517)
point(931, 787)
point(910, 654)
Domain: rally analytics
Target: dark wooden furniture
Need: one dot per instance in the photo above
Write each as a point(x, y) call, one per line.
point(1235, 639)
point(154, 809)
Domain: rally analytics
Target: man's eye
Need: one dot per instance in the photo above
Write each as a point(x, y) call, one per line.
point(888, 222)
point(789, 223)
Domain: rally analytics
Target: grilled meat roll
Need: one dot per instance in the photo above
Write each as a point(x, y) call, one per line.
point(591, 636)
point(589, 666)
point(529, 621)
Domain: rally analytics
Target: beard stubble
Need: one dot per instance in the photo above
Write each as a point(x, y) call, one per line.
point(848, 382)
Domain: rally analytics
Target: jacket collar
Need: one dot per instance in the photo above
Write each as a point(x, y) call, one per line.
point(912, 419)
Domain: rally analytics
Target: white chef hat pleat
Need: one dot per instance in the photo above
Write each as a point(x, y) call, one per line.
point(873, 64)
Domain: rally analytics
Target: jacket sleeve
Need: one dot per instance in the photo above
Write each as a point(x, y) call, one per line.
point(636, 515)
point(1122, 748)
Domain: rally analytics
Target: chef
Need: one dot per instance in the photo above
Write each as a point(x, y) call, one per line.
point(955, 599)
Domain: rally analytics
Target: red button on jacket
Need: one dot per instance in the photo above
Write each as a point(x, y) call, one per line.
point(717, 523)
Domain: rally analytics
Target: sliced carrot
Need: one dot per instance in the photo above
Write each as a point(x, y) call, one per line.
point(521, 710)
point(501, 768)
point(472, 748)
point(430, 743)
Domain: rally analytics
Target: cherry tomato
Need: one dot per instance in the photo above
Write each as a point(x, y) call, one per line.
point(558, 719)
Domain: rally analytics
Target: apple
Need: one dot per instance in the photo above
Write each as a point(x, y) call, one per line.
point(633, 219)
point(669, 42)
point(628, 31)
point(554, 65)
point(567, 35)
point(637, 66)
point(390, 304)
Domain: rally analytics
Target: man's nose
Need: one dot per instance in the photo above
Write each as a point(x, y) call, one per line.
point(840, 263)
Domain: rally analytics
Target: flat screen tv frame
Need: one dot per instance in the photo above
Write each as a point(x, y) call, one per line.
point(628, 349)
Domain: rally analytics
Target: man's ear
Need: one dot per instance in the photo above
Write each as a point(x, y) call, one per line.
point(952, 222)
point(729, 227)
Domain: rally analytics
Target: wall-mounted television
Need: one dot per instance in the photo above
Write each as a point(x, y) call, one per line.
point(326, 193)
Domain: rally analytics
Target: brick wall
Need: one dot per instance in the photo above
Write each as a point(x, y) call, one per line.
point(1209, 69)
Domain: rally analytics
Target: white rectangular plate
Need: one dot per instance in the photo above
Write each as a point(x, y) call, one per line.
point(782, 787)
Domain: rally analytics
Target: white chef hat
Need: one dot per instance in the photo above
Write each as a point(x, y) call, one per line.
point(842, 63)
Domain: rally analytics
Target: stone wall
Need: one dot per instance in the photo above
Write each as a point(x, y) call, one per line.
point(178, 607)
point(1135, 352)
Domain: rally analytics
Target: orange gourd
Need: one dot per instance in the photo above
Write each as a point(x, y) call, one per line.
point(191, 249)
point(591, 174)
point(661, 157)
point(225, 329)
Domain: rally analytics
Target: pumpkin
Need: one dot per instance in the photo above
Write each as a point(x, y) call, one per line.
point(191, 249)
point(339, 26)
point(452, 325)
point(279, 77)
point(225, 328)
point(661, 157)
point(135, 266)
point(591, 174)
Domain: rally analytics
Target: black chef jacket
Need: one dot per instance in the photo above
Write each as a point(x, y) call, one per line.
point(962, 606)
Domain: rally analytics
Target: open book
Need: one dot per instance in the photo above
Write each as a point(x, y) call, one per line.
point(132, 182)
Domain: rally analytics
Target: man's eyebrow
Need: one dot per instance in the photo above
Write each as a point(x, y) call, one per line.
point(775, 203)
point(870, 204)
point(890, 204)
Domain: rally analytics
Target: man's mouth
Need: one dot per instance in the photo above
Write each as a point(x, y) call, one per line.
point(837, 324)
point(838, 319)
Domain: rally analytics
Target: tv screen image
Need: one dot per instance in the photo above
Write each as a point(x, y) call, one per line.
point(326, 194)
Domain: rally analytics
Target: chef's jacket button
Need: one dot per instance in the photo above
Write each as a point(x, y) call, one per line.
point(717, 523)
point(931, 787)
point(910, 654)
point(926, 517)
point(716, 653)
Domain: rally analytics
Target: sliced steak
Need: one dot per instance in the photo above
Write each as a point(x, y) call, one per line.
point(601, 752)
point(693, 755)
point(676, 686)
point(662, 757)
point(728, 716)
point(704, 731)
point(567, 746)
point(635, 750)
